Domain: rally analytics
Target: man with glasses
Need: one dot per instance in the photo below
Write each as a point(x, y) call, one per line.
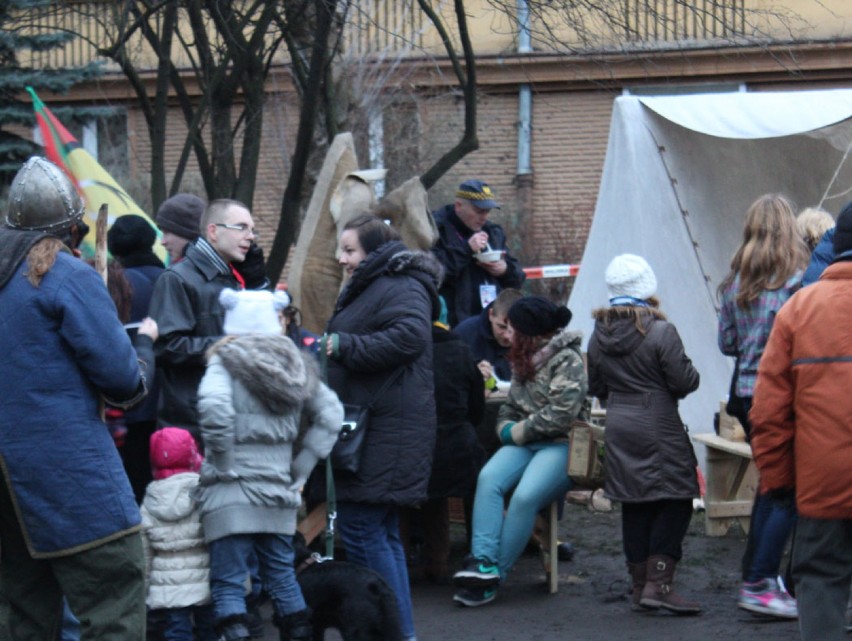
point(185, 305)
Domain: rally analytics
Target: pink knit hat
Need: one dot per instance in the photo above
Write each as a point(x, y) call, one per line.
point(173, 451)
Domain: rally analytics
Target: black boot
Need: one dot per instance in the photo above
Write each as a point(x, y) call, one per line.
point(233, 628)
point(296, 626)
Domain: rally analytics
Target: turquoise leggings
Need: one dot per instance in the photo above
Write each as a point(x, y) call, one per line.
point(537, 474)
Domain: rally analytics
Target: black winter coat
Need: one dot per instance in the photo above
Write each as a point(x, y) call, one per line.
point(383, 320)
point(641, 376)
point(185, 304)
point(460, 403)
point(462, 273)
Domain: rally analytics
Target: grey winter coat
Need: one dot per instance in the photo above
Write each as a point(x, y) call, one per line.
point(383, 322)
point(252, 399)
point(641, 375)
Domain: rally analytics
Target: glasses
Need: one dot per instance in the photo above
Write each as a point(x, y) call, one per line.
point(243, 228)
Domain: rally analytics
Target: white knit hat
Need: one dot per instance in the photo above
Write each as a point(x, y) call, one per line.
point(630, 275)
point(252, 311)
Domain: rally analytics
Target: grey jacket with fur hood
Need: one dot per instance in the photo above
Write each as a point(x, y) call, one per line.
point(252, 400)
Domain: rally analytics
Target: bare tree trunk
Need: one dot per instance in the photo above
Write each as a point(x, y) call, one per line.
point(467, 80)
point(288, 223)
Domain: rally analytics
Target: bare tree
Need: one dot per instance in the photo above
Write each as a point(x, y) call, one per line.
point(227, 50)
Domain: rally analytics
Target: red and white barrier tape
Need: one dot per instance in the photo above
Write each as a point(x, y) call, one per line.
point(551, 271)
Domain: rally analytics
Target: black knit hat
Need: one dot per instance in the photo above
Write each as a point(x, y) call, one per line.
point(843, 231)
point(535, 316)
point(181, 215)
point(130, 234)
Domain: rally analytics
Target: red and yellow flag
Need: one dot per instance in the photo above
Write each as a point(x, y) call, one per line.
point(95, 185)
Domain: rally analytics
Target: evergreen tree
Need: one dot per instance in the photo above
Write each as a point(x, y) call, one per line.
point(20, 49)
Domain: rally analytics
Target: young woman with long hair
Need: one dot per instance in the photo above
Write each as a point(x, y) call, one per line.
point(766, 270)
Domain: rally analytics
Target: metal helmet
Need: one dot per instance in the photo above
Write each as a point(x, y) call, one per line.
point(42, 198)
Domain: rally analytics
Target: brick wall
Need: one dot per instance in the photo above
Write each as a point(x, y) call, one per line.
point(569, 138)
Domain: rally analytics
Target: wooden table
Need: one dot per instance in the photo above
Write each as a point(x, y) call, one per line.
point(731, 484)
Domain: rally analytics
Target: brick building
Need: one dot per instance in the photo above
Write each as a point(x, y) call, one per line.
point(547, 206)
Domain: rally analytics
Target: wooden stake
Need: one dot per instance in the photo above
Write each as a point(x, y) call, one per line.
point(101, 242)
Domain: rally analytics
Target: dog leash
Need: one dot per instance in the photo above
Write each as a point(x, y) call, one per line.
point(331, 495)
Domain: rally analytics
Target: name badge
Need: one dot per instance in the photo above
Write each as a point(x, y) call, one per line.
point(487, 294)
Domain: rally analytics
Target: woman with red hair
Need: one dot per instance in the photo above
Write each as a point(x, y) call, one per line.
point(548, 392)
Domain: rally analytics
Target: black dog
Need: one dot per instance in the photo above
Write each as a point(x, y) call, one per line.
point(353, 599)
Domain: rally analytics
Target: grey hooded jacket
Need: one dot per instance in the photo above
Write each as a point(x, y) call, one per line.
point(252, 400)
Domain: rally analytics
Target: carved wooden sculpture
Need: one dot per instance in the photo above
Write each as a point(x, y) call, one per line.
point(343, 192)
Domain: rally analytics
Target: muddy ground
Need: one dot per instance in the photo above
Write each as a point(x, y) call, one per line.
point(591, 604)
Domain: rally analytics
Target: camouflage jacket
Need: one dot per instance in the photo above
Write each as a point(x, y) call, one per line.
point(544, 408)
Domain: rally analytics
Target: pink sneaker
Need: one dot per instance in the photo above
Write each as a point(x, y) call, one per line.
point(764, 597)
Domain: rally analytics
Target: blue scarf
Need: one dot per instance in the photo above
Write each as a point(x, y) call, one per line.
point(628, 301)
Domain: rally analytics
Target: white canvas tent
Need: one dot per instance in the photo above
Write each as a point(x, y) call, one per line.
point(680, 173)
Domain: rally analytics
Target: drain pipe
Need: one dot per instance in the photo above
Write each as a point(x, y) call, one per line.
point(524, 177)
point(524, 94)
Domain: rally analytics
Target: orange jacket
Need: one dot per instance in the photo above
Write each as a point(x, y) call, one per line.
point(802, 412)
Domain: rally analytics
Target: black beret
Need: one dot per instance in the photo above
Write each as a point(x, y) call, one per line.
point(536, 315)
point(130, 234)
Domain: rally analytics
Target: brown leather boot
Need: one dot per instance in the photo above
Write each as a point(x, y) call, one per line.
point(638, 572)
point(658, 591)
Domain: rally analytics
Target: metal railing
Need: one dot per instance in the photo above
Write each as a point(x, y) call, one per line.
point(676, 20)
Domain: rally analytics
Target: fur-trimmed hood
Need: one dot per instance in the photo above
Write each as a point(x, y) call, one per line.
point(622, 328)
point(395, 259)
point(271, 368)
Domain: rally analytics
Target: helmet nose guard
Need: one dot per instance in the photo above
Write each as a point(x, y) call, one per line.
point(42, 198)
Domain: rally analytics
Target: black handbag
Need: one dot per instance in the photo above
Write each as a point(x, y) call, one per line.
point(346, 454)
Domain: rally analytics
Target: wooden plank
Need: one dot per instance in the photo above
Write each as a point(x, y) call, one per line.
point(724, 509)
point(717, 442)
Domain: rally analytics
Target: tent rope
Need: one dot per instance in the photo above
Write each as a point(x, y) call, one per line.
point(661, 150)
point(834, 178)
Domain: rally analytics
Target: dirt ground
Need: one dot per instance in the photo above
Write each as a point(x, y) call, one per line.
point(591, 604)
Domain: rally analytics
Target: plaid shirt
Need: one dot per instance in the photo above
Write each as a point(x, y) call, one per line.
point(744, 332)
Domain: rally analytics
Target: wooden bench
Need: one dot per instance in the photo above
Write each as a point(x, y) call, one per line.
point(731, 484)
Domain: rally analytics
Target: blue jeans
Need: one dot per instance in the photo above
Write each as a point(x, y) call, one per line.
point(229, 568)
point(771, 525)
point(70, 624)
point(370, 535)
point(177, 623)
point(537, 474)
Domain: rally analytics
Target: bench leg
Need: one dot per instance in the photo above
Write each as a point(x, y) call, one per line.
point(548, 543)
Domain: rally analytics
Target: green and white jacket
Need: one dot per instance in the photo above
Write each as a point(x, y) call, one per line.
point(544, 408)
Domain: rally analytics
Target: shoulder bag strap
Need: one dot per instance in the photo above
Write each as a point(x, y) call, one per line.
point(386, 385)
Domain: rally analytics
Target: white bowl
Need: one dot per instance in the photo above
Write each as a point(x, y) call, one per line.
point(490, 256)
